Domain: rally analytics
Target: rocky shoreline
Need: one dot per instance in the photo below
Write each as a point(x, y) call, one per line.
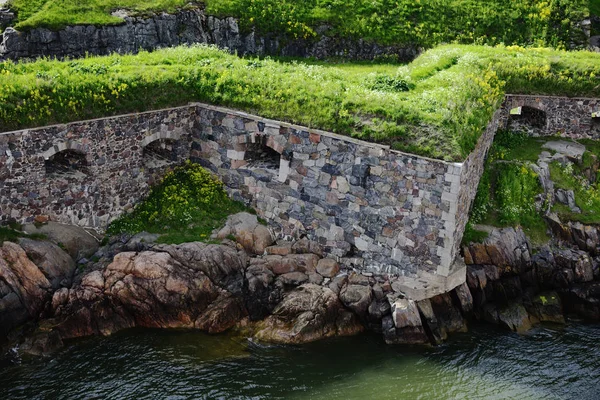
point(187, 26)
point(274, 292)
point(281, 292)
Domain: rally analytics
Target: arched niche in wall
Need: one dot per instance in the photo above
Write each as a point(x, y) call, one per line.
point(528, 119)
point(160, 150)
point(67, 160)
point(596, 123)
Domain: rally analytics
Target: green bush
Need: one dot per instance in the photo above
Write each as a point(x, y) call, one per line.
point(187, 205)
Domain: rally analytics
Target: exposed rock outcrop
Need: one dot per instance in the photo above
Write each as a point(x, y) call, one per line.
point(24, 289)
point(515, 288)
point(78, 242)
point(187, 26)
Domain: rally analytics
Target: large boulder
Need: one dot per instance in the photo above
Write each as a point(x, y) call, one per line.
point(171, 289)
point(306, 314)
point(357, 298)
point(24, 290)
point(54, 262)
point(224, 265)
point(248, 231)
point(404, 326)
point(503, 247)
point(78, 242)
point(546, 307)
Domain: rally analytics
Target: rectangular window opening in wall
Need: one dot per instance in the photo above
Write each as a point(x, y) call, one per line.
point(596, 123)
point(260, 157)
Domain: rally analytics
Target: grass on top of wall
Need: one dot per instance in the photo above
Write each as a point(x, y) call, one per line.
point(186, 206)
point(437, 106)
point(56, 14)
point(424, 23)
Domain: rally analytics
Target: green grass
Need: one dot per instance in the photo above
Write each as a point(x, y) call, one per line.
point(508, 189)
point(472, 235)
point(453, 90)
point(516, 146)
point(587, 194)
point(56, 14)
point(13, 233)
point(187, 206)
point(423, 23)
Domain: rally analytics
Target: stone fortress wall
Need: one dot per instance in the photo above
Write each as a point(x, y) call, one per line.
point(372, 208)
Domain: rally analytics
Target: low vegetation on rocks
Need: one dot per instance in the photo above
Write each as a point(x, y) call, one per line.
point(425, 23)
point(187, 205)
point(511, 194)
point(437, 106)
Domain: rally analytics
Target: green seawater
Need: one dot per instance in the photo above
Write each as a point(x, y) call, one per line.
point(549, 362)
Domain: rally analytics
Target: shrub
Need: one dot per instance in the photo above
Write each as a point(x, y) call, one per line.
point(187, 205)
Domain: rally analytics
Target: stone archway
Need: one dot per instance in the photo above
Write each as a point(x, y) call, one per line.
point(68, 160)
point(531, 120)
point(162, 149)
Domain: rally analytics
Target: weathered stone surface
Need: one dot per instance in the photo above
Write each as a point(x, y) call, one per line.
point(503, 247)
point(357, 298)
point(76, 241)
point(546, 307)
point(307, 314)
point(170, 289)
point(294, 278)
point(464, 298)
point(24, 289)
point(248, 232)
point(224, 265)
point(187, 26)
point(515, 318)
point(328, 267)
point(436, 333)
point(449, 317)
point(222, 314)
point(279, 250)
point(306, 263)
point(56, 265)
point(404, 326)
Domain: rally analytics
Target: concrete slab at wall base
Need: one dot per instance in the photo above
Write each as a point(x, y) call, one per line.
point(371, 208)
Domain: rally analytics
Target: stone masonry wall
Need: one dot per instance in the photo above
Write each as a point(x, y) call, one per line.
point(188, 26)
point(116, 175)
point(471, 171)
point(372, 208)
point(571, 117)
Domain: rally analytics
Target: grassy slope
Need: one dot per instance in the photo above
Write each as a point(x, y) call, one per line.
point(454, 90)
point(56, 14)
point(424, 22)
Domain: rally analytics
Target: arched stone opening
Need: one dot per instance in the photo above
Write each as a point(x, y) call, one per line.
point(528, 119)
point(68, 163)
point(161, 152)
point(260, 156)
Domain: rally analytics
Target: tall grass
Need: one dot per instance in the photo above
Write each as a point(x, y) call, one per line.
point(437, 106)
point(424, 23)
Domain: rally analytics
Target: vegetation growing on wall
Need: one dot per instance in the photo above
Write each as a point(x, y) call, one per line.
point(452, 93)
point(186, 206)
point(424, 23)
